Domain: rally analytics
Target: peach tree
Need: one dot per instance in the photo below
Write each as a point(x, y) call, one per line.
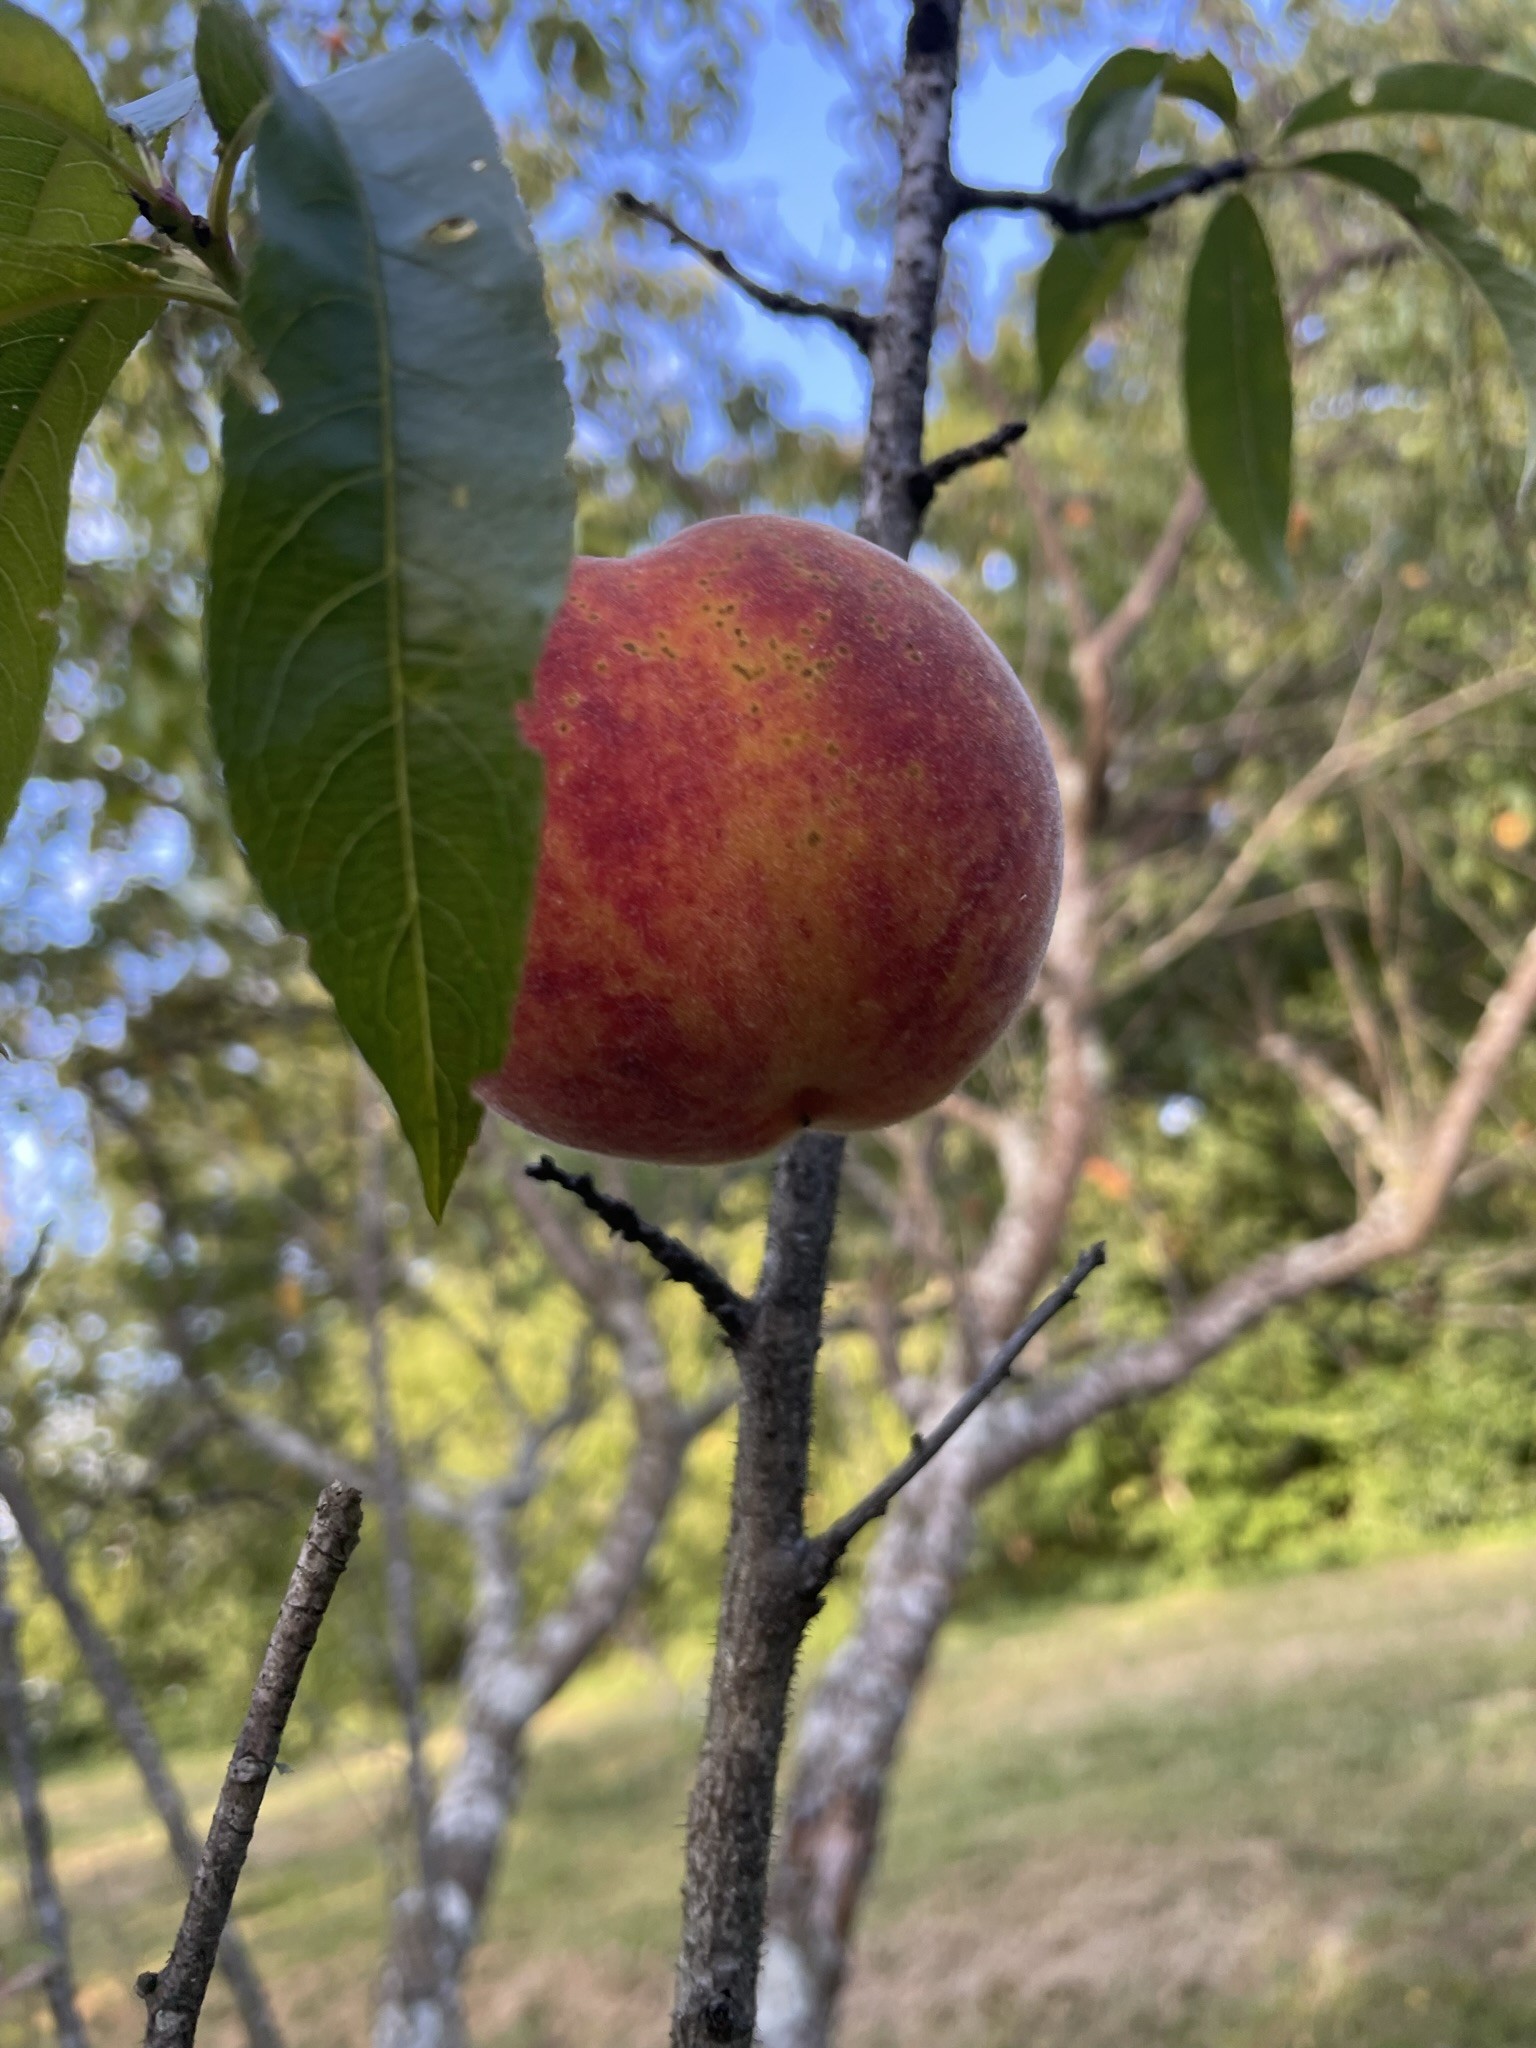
point(393, 545)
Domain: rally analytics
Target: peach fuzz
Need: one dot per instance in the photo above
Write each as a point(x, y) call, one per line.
point(801, 848)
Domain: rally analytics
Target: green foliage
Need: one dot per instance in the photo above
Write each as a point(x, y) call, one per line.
point(1350, 1425)
point(1109, 125)
point(235, 66)
point(1467, 89)
point(1237, 387)
point(392, 544)
point(60, 347)
point(1509, 293)
point(1077, 280)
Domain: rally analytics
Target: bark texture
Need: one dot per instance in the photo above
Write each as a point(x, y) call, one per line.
point(174, 1996)
point(890, 508)
point(768, 1597)
point(770, 1594)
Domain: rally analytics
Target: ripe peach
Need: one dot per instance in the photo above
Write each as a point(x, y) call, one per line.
point(801, 854)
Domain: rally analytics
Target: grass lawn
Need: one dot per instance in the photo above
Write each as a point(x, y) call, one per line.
point(1299, 1815)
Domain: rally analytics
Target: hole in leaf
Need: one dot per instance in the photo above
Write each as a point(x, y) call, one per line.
point(458, 227)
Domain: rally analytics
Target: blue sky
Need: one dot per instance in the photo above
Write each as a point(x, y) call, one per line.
point(786, 165)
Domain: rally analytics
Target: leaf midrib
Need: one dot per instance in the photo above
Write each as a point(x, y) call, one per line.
point(388, 478)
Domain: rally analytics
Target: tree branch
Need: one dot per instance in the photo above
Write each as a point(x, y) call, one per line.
point(676, 1259)
point(1347, 757)
point(926, 481)
point(174, 1995)
point(1152, 580)
point(134, 1733)
point(766, 1604)
point(1073, 217)
point(42, 1886)
point(1394, 1224)
point(825, 1550)
point(858, 327)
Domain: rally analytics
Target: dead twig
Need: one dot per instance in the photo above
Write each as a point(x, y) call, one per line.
point(175, 1994)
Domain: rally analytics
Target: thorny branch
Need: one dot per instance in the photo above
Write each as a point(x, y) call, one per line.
point(174, 1996)
point(676, 1259)
point(859, 327)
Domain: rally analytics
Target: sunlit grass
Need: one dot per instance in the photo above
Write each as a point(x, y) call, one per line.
point(1301, 1815)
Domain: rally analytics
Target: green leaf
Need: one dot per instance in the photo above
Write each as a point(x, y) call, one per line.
point(235, 65)
point(61, 172)
point(1108, 127)
point(158, 111)
point(1509, 292)
point(1076, 282)
point(1237, 387)
point(391, 546)
point(1207, 82)
point(1466, 89)
point(68, 320)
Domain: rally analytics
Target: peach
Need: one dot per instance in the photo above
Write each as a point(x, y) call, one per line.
point(801, 852)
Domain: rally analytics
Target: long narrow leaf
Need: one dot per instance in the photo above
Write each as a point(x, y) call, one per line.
point(1076, 282)
point(1472, 90)
point(1509, 292)
point(1237, 387)
point(391, 546)
point(1108, 127)
point(1207, 82)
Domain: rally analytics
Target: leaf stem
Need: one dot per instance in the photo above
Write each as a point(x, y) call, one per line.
point(222, 192)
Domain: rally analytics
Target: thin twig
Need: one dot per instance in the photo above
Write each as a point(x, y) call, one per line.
point(859, 327)
point(42, 1886)
point(677, 1260)
point(824, 1551)
point(1074, 217)
point(943, 467)
point(175, 1994)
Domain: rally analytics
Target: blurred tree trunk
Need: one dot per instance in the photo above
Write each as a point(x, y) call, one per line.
point(42, 1887)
